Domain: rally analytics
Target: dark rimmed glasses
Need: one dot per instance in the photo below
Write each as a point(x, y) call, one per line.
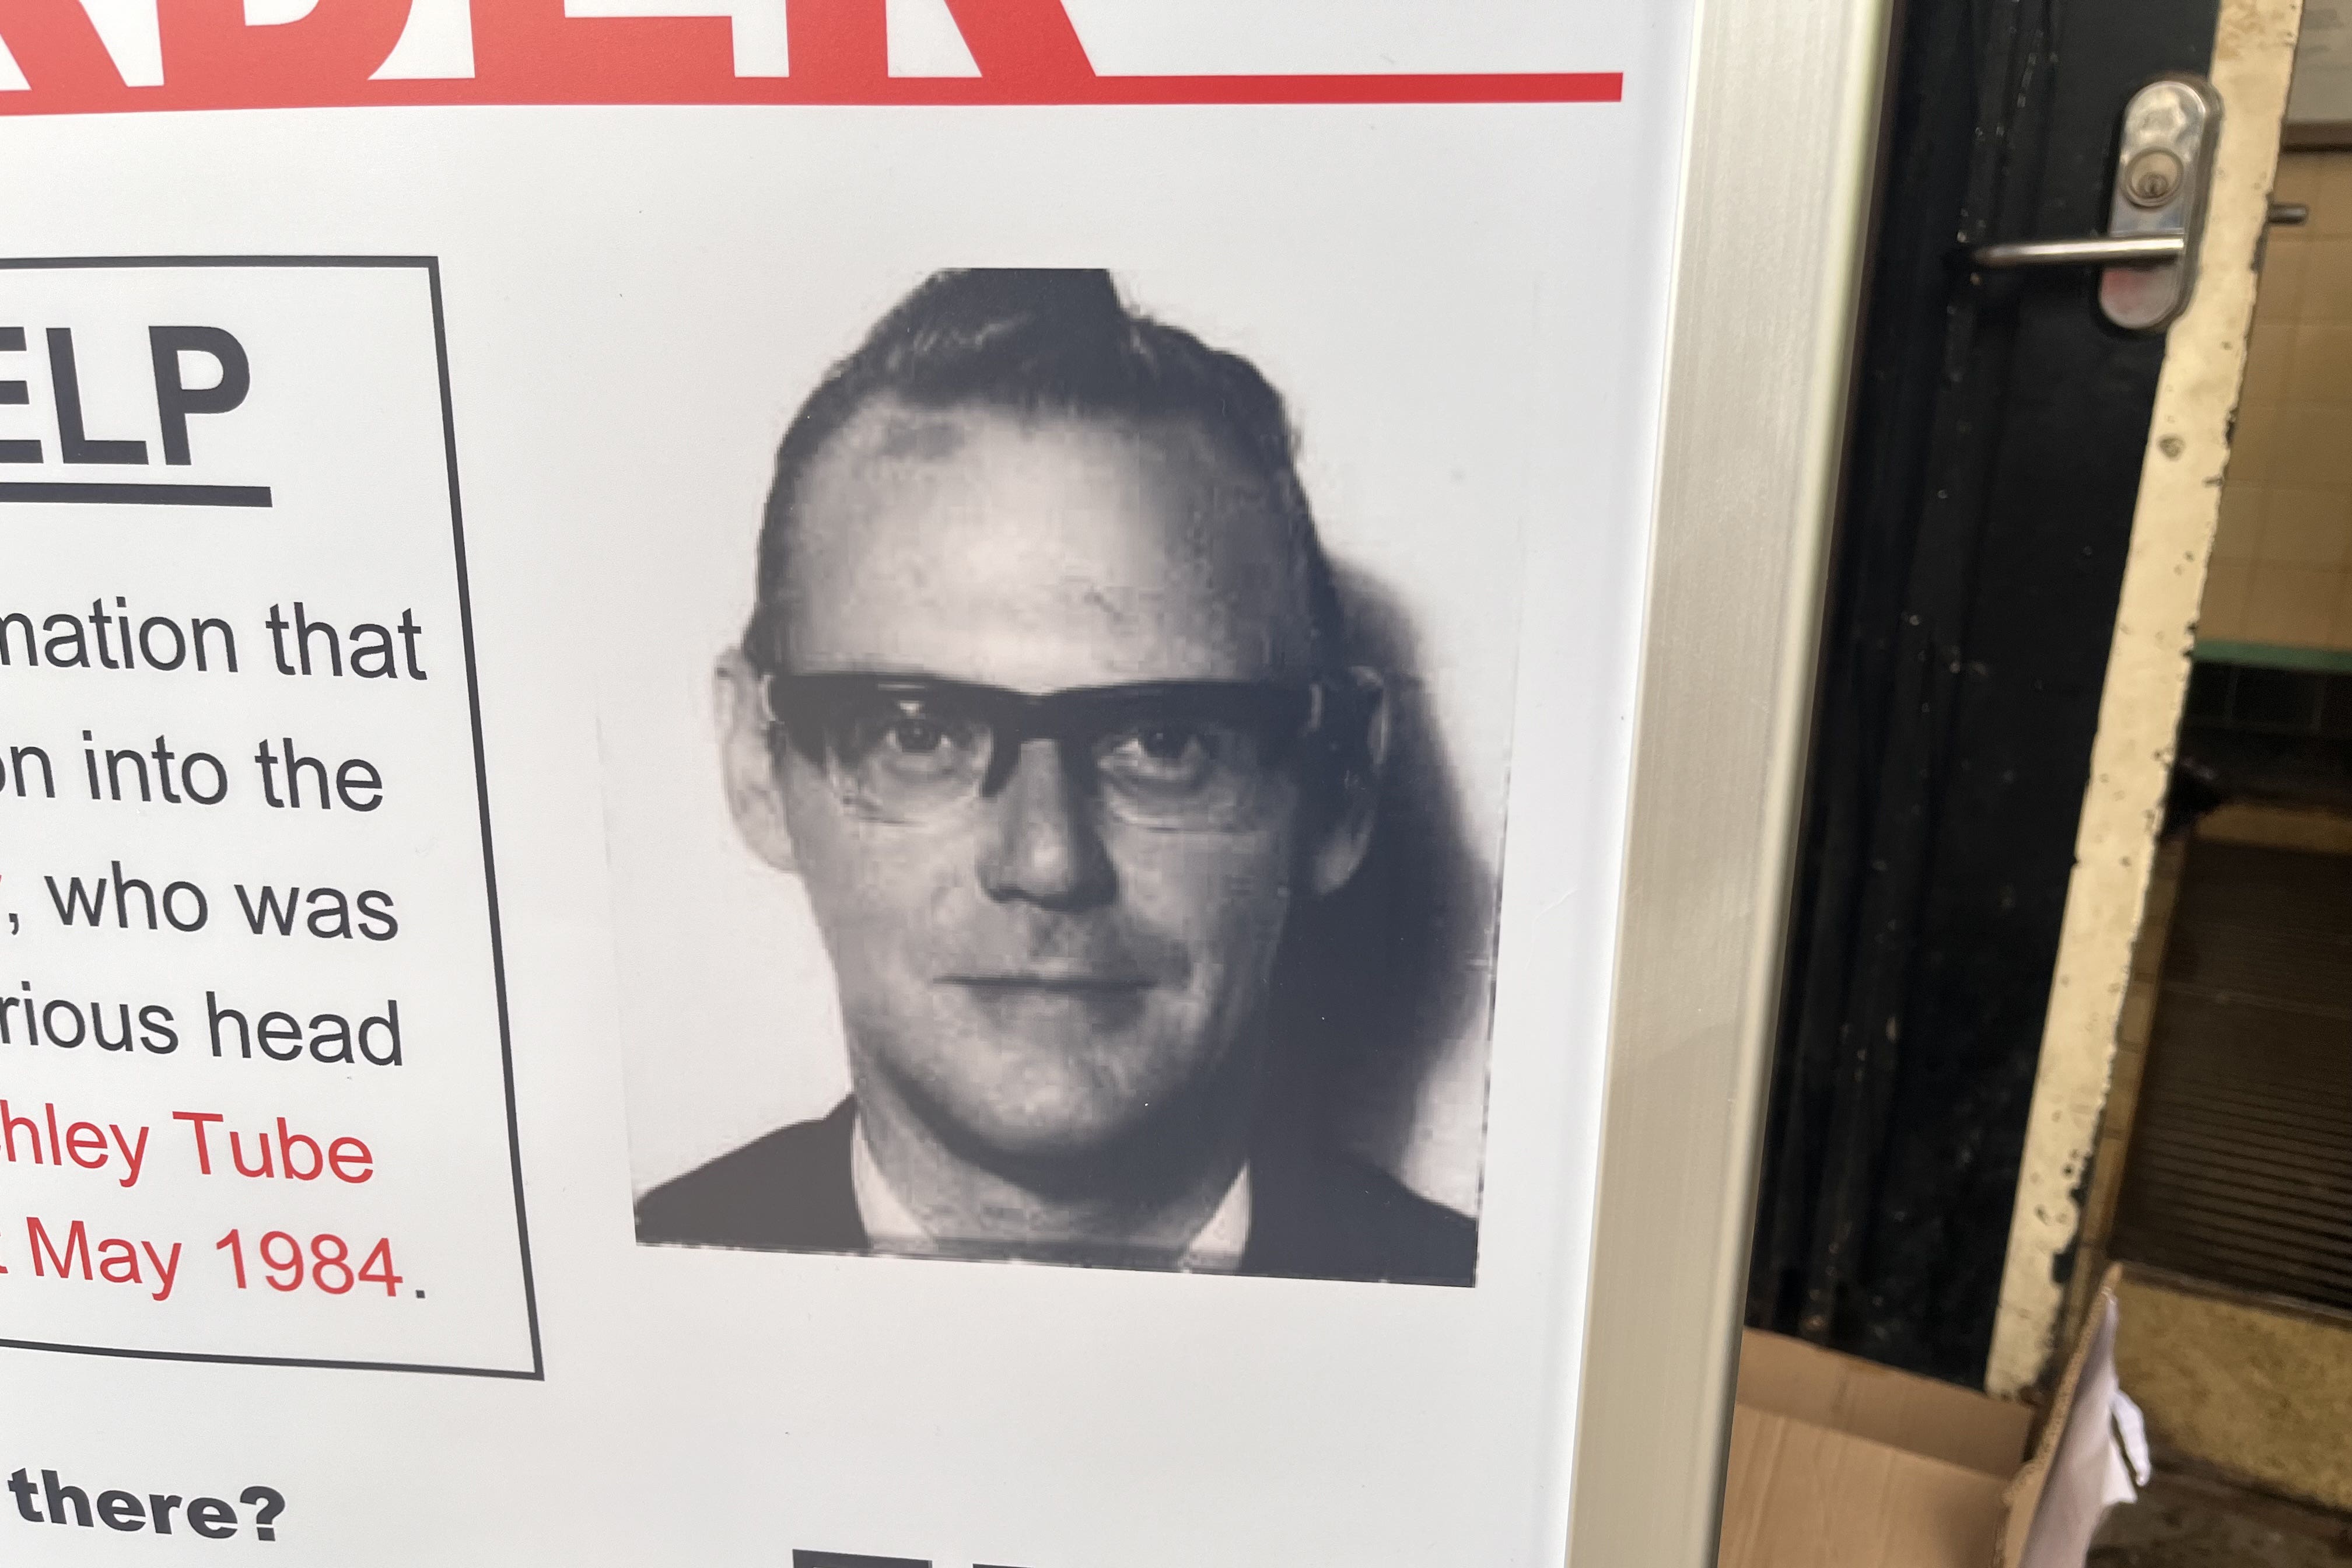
point(1174, 755)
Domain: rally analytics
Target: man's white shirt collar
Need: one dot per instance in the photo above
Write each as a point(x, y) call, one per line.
point(892, 1228)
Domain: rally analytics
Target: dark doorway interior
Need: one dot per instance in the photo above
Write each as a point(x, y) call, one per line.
point(1994, 464)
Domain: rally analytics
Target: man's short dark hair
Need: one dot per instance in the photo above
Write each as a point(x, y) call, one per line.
point(1046, 341)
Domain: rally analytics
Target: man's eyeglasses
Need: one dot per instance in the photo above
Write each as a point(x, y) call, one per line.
point(1176, 755)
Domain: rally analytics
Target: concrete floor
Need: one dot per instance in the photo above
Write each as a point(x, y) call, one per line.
point(2189, 1521)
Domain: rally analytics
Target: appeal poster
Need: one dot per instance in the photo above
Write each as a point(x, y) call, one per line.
point(818, 783)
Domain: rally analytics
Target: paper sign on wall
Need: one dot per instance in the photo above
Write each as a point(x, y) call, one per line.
point(823, 783)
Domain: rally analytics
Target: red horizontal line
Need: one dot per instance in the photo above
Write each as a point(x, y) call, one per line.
point(1546, 87)
point(1521, 86)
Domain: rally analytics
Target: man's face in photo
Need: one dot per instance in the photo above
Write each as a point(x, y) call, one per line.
point(1038, 976)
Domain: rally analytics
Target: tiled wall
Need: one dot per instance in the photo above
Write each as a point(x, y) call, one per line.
point(2282, 571)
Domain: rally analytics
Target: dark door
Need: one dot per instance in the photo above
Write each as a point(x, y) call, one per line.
point(1995, 459)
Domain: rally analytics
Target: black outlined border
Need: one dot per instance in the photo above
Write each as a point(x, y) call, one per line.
point(431, 267)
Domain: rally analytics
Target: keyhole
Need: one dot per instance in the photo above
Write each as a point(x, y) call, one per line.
point(2152, 178)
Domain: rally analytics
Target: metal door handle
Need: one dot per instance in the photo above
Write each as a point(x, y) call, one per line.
point(2148, 256)
point(2102, 250)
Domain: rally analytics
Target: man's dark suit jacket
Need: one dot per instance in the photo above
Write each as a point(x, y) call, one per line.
point(1311, 1216)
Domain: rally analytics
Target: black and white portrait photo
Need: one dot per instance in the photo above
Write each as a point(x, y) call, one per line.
point(1147, 917)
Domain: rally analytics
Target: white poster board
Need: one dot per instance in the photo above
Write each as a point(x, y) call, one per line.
point(838, 785)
